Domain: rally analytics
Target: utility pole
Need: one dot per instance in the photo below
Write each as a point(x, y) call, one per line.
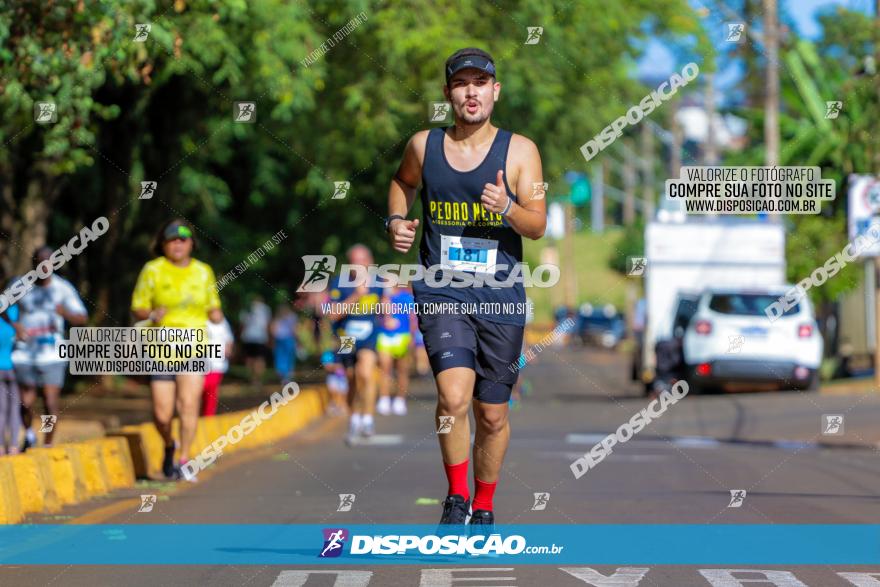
point(710, 150)
point(876, 71)
point(677, 141)
point(629, 184)
point(647, 172)
point(568, 264)
point(877, 172)
point(597, 201)
point(771, 82)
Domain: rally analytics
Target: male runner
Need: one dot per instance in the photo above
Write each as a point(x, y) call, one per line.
point(44, 310)
point(353, 315)
point(394, 344)
point(478, 199)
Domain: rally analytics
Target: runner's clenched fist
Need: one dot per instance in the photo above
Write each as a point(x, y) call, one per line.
point(403, 234)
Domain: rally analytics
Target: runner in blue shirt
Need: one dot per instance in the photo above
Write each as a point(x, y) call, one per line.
point(394, 346)
point(10, 402)
point(354, 318)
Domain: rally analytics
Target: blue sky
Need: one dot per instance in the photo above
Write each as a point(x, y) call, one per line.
point(659, 62)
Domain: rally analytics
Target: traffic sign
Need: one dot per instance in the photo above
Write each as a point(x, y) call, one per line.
point(580, 191)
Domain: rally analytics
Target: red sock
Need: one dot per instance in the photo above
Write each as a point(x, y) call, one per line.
point(457, 476)
point(483, 494)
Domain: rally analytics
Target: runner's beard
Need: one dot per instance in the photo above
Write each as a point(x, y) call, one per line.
point(478, 118)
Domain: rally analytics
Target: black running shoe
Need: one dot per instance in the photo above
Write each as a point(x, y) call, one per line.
point(168, 467)
point(456, 510)
point(482, 522)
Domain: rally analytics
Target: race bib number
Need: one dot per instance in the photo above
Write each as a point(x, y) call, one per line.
point(359, 329)
point(475, 255)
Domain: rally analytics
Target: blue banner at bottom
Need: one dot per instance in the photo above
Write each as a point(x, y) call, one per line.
point(221, 544)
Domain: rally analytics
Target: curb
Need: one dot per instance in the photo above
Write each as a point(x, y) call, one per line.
point(46, 479)
point(146, 447)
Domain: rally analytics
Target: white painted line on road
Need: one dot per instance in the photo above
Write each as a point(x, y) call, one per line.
point(684, 441)
point(445, 577)
point(584, 438)
point(712, 443)
point(726, 578)
point(343, 578)
point(621, 577)
point(379, 440)
point(617, 457)
point(696, 442)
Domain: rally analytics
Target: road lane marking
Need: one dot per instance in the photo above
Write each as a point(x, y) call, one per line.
point(343, 578)
point(378, 440)
point(712, 442)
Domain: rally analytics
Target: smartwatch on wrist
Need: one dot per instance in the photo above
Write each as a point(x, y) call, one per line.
point(391, 219)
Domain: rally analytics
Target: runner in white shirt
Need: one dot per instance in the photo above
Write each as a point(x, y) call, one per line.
point(218, 333)
point(43, 311)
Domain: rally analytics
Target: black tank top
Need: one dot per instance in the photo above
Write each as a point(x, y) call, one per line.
point(459, 233)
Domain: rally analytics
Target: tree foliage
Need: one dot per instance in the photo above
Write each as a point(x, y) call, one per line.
point(162, 110)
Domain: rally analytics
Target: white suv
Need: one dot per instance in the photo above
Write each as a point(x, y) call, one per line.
point(730, 342)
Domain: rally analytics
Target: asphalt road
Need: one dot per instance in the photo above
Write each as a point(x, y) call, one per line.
point(679, 470)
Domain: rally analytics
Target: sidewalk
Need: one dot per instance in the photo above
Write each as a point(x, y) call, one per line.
point(851, 386)
point(90, 410)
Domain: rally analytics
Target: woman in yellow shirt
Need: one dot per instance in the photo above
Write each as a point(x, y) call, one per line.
point(176, 291)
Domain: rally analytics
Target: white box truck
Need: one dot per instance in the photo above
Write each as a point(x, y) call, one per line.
point(687, 257)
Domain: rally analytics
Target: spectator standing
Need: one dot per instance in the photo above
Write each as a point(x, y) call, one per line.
point(217, 334)
point(255, 337)
point(10, 401)
point(283, 329)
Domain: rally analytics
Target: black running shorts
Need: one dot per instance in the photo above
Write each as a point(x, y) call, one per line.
point(491, 349)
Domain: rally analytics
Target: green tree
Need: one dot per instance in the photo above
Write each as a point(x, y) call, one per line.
point(162, 110)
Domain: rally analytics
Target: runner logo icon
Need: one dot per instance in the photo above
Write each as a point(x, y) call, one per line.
point(735, 343)
point(147, 503)
point(737, 496)
point(340, 189)
point(346, 500)
point(734, 31)
point(319, 269)
point(245, 112)
point(541, 500)
point(440, 111)
point(445, 426)
point(534, 35)
point(539, 190)
point(334, 541)
point(346, 345)
point(637, 266)
point(45, 112)
point(47, 423)
point(832, 424)
point(832, 109)
point(142, 31)
point(148, 189)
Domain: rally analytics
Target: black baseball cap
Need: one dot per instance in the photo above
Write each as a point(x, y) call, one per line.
point(469, 58)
